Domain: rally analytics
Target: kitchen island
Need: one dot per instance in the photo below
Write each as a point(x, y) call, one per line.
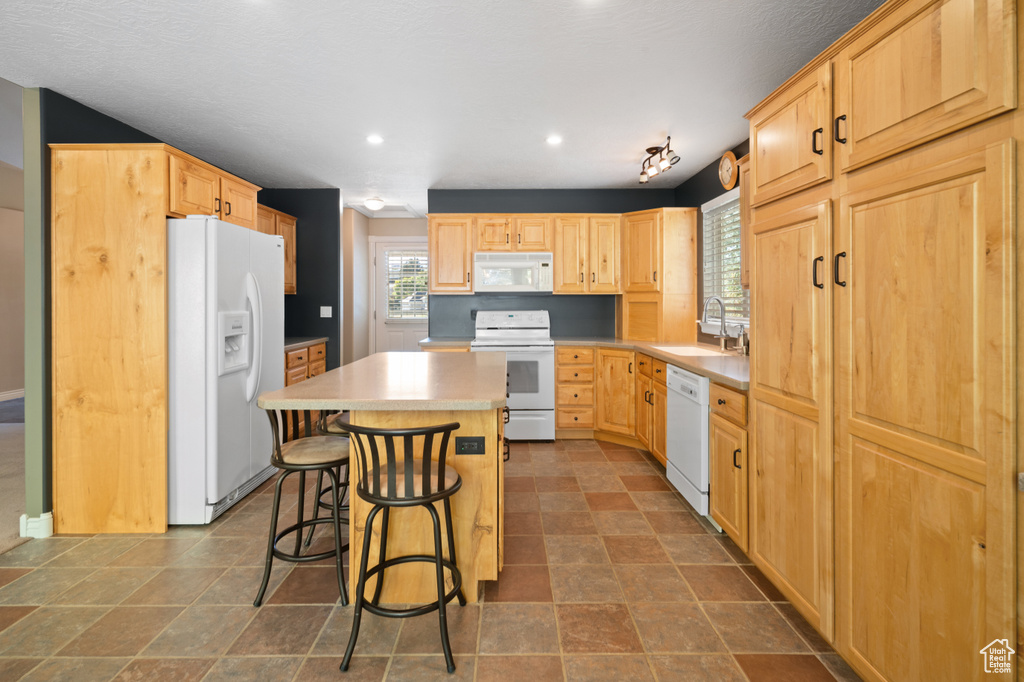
point(404, 390)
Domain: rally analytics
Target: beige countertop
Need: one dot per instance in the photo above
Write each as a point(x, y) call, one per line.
point(295, 342)
point(728, 369)
point(408, 382)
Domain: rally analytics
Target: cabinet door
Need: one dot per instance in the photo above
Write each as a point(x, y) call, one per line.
point(928, 69)
point(641, 317)
point(265, 221)
point(603, 255)
point(924, 403)
point(642, 245)
point(728, 496)
point(494, 233)
point(238, 202)
point(790, 138)
point(643, 409)
point(659, 422)
point(193, 190)
point(616, 406)
point(570, 255)
point(532, 234)
point(791, 494)
point(745, 221)
point(449, 243)
point(286, 228)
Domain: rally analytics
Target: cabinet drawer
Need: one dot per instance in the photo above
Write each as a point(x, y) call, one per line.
point(318, 352)
point(574, 418)
point(295, 375)
point(574, 375)
point(317, 367)
point(660, 370)
point(575, 395)
point(574, 356)
point(644, 363)
point(729, 403)
point(294, 358)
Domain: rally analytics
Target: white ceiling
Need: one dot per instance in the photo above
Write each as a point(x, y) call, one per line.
point(464, 92)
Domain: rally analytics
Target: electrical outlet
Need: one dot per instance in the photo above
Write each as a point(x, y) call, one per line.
point(325, 311)
point(469, 445)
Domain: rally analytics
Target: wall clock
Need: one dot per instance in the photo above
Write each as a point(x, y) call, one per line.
point(728, 170)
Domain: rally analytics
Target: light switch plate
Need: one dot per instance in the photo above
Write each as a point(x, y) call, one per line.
point(325, 311)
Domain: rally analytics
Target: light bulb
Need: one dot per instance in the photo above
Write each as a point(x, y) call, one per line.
point(652, 170)
point(374, 204)
point(664, 164)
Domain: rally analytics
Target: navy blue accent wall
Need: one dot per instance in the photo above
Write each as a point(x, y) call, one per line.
point(705, 185)
point(547, 200)
point(586, 316)
point(318, 263)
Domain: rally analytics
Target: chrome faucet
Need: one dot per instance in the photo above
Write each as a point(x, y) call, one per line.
point(722, 334)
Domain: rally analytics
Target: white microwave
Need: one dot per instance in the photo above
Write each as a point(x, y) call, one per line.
point(512, 272)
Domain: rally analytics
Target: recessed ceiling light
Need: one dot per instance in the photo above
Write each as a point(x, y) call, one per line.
point(374, 139)
point(554, 139)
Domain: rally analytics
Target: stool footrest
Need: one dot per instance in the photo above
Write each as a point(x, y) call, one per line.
point(299, 528)
point(415, 610)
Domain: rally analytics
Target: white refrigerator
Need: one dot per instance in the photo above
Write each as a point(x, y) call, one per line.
point(226, 346)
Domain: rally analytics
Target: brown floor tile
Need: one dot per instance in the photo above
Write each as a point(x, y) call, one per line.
point(96, 551)
point(594, 469)
point(174, 586)
point(568, 523)
point(240, 585)
point(734, 551)
point(800, 624)
point(60, 669)
point(521, 502)
point(557, 484)
point(659, 501)
point(839, 668)
point(596, 628)
point(123, 631)
point(533, 668)
point(697, 668)
point(41, 585)
point(14, 668)
point(621, 523)
point(652, 583)
point(720, 583)
point(377, 635)
point(219, 551)
point(600, 484)
point(44, 631)
point(190, 635)
point(9, 575)
point(262, 668)
point(587, 455)
point(518, 629)
point(763, 584)
point(523, 524)
point(427, 668)
point(543, 459)
point(610, 502)
point(515, 467)
point(281, 631)
point(754, 627)
point(421, 635)
point(579, 444)
point(694, 549)
point(307, 585)
point(155, 552)
point(674, 522)
point(37, 552)
point(543, 470)
point(520, 484)
point(360, 669)
point(562, 502)
point(9, 615)
point(644, 483)
point(783, 668)
point(675, 628)
point(632, 468)
point(585, 583)
point(520, 584)
point(575, 549)
point(607, 669)
point(525, 549)
point(178, 669)
point(622, 454)
point(106, 586)
point(633, 549)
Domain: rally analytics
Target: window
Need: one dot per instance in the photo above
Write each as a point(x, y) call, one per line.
point(407, 284)
point(722, 256)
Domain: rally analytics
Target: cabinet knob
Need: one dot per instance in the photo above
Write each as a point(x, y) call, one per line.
point(575, 395)
point(721, 401)
point(575, 357)
point(576, 374)
point(657, 371)
point(575, 419)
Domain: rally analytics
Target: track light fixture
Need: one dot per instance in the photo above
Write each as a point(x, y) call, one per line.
point(659, 160)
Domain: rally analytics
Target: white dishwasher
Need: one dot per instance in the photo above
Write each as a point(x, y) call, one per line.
point(687, 437)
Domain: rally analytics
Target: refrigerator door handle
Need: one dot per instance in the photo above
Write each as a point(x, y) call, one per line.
point(252, 293)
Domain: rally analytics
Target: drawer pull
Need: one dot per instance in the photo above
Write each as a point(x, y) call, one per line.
point(835, 130)
point(216, 205)
point(228, 204)
point(814, 272)
point(814, 141)
point(734, 453)
point(647, 396)
point(721, 401)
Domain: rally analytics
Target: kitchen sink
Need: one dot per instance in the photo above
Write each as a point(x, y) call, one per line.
point(689, 350)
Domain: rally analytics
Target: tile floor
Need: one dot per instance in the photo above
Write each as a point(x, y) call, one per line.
point(608, 576)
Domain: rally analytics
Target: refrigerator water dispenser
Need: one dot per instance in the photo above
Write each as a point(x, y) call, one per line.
point(233, 335)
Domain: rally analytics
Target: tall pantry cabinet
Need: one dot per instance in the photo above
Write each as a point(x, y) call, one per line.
point(884, 411)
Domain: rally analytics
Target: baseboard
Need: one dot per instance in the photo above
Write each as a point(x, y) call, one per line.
point(11, 395)
point(37, 527)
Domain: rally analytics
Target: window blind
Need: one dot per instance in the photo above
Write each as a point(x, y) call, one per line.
point(407, 284)
point(722, 259)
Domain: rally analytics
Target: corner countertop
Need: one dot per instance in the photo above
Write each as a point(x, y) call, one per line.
point(728, 369)
point(401, 382)
point(296, 342)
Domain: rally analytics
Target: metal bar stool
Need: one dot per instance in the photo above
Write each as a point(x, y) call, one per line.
point(389, 479)
point(297, 450)
point(327, 425)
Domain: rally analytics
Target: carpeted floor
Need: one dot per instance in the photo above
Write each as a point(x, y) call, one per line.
point(12, 411)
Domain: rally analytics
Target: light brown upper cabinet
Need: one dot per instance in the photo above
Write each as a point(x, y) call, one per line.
point(450, 253)
point(641, 239)
point(586, 254)
point(270, 221)
point(745, 221)
point(925, 70)
point(197, 188)
point(514, 233)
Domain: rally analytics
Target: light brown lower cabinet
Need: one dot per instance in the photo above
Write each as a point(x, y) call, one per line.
point(616, 385)
point(304, 363)
point(728, 496)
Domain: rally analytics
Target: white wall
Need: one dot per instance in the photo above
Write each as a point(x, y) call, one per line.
point(356, 299)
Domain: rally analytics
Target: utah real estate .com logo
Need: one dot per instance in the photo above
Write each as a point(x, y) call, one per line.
point(997, 656)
